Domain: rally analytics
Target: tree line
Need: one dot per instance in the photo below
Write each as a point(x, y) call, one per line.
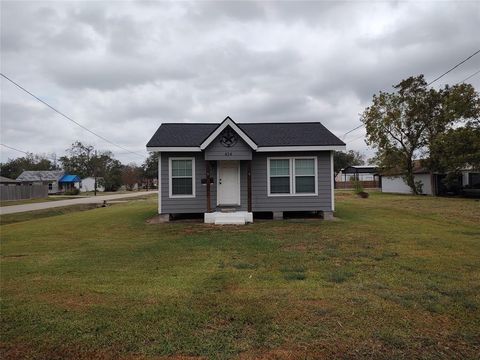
point(86, 161)
point(439, 127)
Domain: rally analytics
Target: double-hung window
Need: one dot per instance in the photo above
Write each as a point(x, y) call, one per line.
point(280, 178)
point(182, 177)
point(304, 176)
point(292, 176)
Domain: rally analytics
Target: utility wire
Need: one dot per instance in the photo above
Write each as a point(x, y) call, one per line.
point(469, 77)
point(431, 82)
point(348, 132)
point(357, 138)
point(69, 118)
point(25, 152)
point(453, 68)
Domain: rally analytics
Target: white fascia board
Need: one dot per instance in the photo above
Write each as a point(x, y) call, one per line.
point(301, 148)
point(221, 127)
point(174, 149)
point(332, 181)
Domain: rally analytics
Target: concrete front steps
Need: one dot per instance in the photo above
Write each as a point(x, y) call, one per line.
point(229, 218)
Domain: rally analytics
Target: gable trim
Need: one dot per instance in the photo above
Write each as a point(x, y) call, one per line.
point(228, 122)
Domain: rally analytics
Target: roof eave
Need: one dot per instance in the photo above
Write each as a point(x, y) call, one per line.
point(174, 149)
point(301, 148)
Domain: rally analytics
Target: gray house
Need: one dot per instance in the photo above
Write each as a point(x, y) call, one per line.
point(228, 171)
point(56, 180)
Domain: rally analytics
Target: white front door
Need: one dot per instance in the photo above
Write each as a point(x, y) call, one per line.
point(228, 183)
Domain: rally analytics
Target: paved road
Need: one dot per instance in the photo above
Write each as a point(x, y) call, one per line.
point(59, 203)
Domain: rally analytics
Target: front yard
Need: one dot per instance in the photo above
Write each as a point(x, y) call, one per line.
point(396, 276)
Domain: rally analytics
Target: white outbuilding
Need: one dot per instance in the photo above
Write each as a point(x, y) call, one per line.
point(88, 184)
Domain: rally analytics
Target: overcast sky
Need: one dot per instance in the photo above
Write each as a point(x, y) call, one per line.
point(123, 68)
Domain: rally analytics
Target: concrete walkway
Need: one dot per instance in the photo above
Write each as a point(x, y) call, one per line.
point(60, 203)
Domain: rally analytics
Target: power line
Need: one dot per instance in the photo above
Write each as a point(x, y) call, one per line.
point(469, 77)
point(25, 152)
point(348, 142)
point(453, 68)
point(348, 132)
point(69, 118)
point(431, 82)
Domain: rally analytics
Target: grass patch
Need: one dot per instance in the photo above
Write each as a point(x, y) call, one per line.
point(104, 284)
point(39, 214)
point(244, 266)
point(339, 275)
point(33, 201)
point(294, 276)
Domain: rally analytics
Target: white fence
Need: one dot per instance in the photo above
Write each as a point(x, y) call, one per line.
point(23, 192)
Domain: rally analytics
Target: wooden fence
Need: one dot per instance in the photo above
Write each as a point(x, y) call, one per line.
point(23, 192)
point(349, 184)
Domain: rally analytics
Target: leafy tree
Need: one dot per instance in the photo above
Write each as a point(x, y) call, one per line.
point(343, 159)
point(14, 167)
point(150, 167)
point(109, 170)
point(84, 161)
point(456, 150)
point(131, 175)
point(80, 160)
point(404, 124)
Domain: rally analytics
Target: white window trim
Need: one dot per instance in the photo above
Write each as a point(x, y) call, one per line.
point(292, 176)
point(170, 177)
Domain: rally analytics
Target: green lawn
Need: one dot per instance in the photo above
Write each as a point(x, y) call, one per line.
point(395, 277)
point(31, 201)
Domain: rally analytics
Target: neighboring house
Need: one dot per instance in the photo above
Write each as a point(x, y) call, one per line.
point(4, 181)
point(69, 182)
point(88, 184)
point(56, 180)
point(228, 171)
point(358, 172)
point(432, 183)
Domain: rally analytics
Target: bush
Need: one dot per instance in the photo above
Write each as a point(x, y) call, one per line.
point(73, 191)
point(357, 187)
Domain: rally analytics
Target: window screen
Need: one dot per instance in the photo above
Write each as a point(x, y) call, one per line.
point(182, 177)
point(304, 176)
point(279, 176)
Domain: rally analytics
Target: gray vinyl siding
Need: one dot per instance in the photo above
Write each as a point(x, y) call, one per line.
point(198, 204)
point(216, 151)
point(260, 200)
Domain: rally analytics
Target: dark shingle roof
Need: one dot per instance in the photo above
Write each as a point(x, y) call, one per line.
point(50, 175)
point(263, 134)
point(5, 180)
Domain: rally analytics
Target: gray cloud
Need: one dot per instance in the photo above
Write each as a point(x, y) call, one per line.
point(122, 68)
